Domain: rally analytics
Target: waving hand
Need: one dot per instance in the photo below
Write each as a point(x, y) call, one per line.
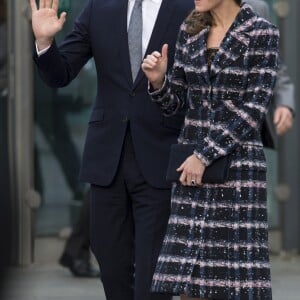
point(45, 21)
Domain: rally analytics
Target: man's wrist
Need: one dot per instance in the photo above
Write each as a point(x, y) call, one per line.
point(154, 91)
point(157, 85)
point(43, 44)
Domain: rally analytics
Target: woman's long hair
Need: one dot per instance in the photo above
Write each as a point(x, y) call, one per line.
point(197, 21)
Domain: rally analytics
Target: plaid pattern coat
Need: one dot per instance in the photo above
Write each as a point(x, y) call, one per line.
point(216, 245)
point(229, 103)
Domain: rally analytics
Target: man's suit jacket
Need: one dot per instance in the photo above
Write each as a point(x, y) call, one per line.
point(101, 32)
point(284, 88)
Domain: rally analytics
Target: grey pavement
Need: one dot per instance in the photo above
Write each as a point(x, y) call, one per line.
point(46, 280)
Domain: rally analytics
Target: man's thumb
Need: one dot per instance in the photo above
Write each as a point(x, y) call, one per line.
point(164, 51)
point(62, 18)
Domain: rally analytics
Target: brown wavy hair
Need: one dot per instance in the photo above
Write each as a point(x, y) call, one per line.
point(197, 21)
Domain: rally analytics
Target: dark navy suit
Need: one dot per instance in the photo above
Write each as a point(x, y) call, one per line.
point(127, 144)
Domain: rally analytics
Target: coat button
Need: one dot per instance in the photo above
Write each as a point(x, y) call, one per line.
point(125, 119)
point(132, 94)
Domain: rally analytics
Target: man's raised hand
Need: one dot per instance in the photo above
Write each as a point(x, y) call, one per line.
point(155, 66)
point(45, 21)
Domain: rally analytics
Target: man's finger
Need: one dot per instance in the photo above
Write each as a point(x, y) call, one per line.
point(281, 129)
point(277, 117)
point(42, 4)
point(148, 65)
point(55, 5)
point(280, 122)
point(62, 18)
point(48, 4)
point(33, 5)
point(155, 54)
point(284, 126)
point(152, 58)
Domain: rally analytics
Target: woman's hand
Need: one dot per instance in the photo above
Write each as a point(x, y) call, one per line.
point(155, 67)
point(45, 22)
point(192, 171)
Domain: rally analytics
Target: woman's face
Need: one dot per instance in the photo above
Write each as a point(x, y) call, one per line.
point(207, 5)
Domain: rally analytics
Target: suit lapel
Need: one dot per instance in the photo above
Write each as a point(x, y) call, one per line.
point(160, 27)
point(124, 50)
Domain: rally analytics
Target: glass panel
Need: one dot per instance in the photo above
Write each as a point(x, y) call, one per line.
point(61, 120)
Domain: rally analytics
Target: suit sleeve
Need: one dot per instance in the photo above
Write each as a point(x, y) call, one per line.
point(172, 96)
point(284, 93)
point(234, 122)
point(60, 65)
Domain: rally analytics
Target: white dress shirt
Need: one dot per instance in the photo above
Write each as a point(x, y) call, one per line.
point(150, 13)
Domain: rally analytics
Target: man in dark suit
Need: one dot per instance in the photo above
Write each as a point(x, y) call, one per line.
point(128, 140)
point(280, 117)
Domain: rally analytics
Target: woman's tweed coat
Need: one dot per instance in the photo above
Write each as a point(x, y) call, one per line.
point(216, 245)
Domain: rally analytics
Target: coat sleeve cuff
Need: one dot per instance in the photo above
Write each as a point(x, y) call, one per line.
point(209, 151)
point(203, 159)
point(41, 52)
point(157, 95)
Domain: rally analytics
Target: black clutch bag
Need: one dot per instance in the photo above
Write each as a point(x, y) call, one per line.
point(217, 172)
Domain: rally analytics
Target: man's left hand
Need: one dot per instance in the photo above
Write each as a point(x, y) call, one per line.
point(283, 119)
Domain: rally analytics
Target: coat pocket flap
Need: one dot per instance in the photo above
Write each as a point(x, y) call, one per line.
point(97, 115)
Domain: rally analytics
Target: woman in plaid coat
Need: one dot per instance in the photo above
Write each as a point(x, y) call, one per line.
point(216, 245)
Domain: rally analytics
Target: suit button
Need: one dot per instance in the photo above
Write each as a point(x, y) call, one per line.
point(132, 94)
point(125, 119)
